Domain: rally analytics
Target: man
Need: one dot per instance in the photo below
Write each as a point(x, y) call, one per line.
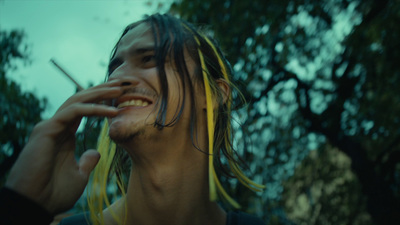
point(168, 99)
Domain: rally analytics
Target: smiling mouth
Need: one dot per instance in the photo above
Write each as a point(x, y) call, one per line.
point(133, 103)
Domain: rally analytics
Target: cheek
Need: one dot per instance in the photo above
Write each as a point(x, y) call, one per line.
point(179, 95)
point(149, 73)
point(175, 93)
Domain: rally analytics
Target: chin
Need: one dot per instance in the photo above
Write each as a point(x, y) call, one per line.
point(121, 132)
point(128, 125)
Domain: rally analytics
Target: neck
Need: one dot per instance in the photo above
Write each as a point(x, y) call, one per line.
point(174, 194)
point(171, 187)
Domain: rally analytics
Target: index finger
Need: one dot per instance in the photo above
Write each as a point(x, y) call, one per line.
point(95, 94)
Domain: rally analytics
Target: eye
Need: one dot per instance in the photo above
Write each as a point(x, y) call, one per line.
point(148, 58)
point(114, 64)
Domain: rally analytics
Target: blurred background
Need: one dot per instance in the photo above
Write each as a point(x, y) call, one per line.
point(321, 78)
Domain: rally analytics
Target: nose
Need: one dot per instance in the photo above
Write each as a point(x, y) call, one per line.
point(125, 81)
point(126, 78)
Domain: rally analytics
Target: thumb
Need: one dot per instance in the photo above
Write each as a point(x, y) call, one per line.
point(88, 161)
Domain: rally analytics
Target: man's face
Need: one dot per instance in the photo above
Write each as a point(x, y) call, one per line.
point(135, 66)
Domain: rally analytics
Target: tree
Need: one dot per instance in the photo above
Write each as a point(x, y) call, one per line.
point(316, 72)
point(20, 110)
point(324, 183)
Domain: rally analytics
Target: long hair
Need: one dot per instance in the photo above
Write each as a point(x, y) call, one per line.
point(172, 36)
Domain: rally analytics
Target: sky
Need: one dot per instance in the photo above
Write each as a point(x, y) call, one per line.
point(78, 35)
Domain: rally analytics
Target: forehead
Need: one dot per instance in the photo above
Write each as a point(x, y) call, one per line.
point(140, 35)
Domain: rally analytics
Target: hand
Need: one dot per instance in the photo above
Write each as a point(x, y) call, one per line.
point(46, 170)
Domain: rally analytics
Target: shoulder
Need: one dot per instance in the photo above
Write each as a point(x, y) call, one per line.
point(241, 218)
point(79, 219)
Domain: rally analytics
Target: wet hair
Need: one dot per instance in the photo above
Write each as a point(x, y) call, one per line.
point(172, 36)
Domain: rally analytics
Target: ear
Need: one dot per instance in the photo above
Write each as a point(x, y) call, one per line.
point(224, 89)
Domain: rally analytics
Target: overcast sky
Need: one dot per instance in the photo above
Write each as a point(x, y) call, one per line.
point(79, 35)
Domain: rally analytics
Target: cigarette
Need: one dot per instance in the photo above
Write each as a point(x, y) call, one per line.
point(78, 86)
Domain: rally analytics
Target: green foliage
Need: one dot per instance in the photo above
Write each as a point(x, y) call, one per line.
point(322, 182)
point(20, 110)
point(12, 50)
point(315, 72)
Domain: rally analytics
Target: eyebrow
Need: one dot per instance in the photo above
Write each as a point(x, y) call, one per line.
point(142, 50)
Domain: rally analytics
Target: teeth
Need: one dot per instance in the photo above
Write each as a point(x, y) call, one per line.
point(133, 103)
